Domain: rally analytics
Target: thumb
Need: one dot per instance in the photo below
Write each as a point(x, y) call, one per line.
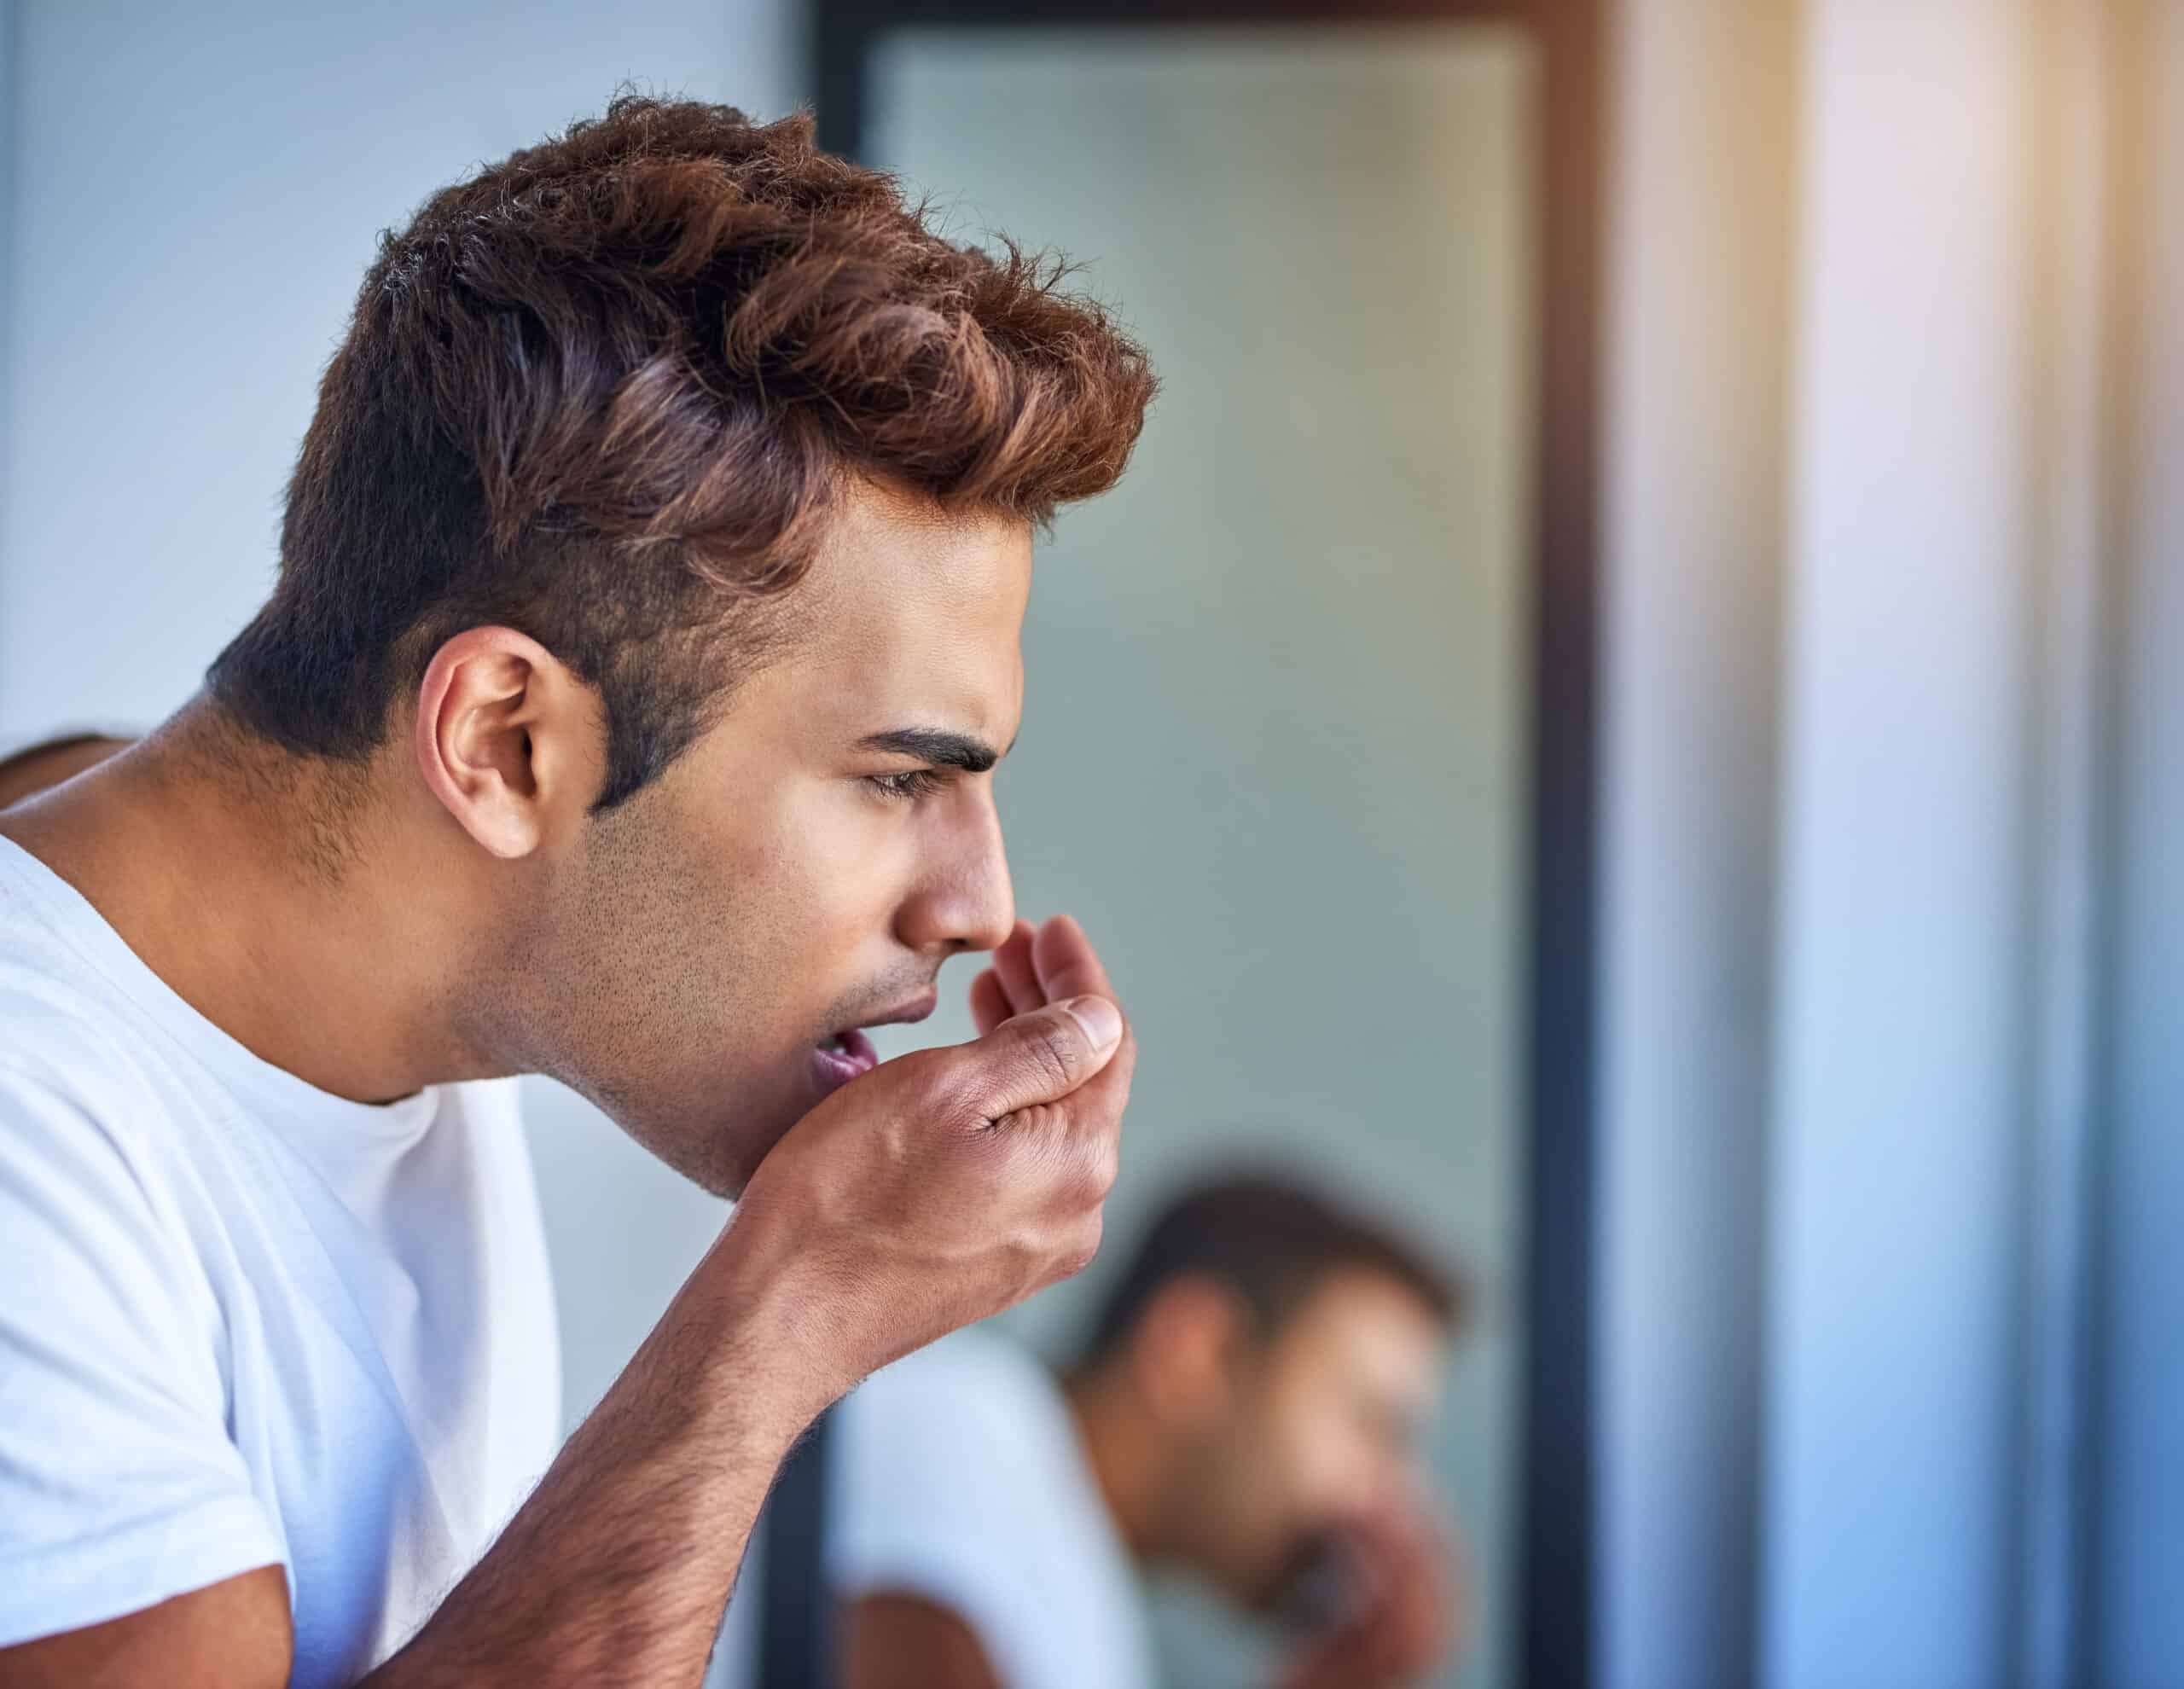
point(1039, 1057)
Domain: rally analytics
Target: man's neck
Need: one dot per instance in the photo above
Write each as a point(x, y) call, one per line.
point(281, 909)
point(1127, 1461)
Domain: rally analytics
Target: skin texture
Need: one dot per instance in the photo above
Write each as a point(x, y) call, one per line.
point(455, 910)
point(1228, 1456)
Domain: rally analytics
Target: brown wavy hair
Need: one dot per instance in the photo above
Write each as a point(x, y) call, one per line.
point(605, 391)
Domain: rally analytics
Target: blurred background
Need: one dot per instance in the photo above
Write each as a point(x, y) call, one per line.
point(1630, 715)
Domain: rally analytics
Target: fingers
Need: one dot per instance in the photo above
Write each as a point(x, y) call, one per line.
point(989, 1004)
point(1037, 1057)
point(1413, 1602)
point(1012, 966)
point(1038, 966)
point(1069, 967)
point(1042, 965)
point(1066, 963)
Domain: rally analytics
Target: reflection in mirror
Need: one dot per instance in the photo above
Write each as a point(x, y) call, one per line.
point(1277, 682)
point(1244, 1409)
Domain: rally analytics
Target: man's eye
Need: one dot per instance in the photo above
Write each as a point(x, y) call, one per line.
point(913, 784)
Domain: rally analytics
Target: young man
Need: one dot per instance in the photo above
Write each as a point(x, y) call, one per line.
point(626, 710)
point(1247, 1411)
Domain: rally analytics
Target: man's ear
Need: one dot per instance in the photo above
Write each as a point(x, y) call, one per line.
point(1188, 1348)
point(509, 740)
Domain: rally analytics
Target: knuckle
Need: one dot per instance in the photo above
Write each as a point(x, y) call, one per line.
point(1107, 1163)
point(1082, 1246)
point(1091, 1173)
point(1034, 1121)
point(952, 1089)
point(1053, 1053)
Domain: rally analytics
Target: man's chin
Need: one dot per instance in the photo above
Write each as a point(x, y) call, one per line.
point(721, 1150)
point(1310, 1587)
point(737, 1158)
point(718, 1153)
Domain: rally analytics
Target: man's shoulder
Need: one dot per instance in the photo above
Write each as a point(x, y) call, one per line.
point(77, 1138)
point(76, 1110)
point(60, 1016)
point(978, 1370)
point(971, 1412)
point(87, 1088)
point(964, 1484)
point(62, 1044)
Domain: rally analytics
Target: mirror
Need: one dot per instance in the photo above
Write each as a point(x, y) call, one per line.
point(1279, 683)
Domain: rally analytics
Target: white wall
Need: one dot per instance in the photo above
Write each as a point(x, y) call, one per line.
point(196, 191)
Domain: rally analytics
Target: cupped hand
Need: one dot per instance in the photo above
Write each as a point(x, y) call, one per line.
point(1413, 1608)
point(948, 1184)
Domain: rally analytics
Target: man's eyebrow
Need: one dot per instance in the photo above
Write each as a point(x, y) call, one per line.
point(937, 745)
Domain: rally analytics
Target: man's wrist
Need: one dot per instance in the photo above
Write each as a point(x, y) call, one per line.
point(787, 1349)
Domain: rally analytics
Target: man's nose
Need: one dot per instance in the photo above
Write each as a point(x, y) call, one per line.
point(966, 902)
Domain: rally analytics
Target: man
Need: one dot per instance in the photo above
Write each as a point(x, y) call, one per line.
point(626, 711)
point(1248, 1411)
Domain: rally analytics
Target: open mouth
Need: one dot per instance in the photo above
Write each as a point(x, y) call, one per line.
point(842, 1056)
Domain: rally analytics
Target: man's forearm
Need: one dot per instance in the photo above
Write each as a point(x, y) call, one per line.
point(618, 1568)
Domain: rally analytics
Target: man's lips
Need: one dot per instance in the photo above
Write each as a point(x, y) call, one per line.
point(913, 1009)
point(848, 1053)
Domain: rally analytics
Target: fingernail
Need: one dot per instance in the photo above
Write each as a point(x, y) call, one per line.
point(1102, 1020)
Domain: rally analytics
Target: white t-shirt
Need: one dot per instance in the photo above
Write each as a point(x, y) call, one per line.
point(242, 1322)
point(958, 1476)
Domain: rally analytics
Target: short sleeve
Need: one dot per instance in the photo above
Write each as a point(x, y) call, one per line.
point(119, 1486)
point(943, 1491)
